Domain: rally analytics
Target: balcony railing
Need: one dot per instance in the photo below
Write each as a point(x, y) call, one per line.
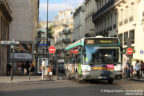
point(66, 40)
point(104, 9)
point(66, 31)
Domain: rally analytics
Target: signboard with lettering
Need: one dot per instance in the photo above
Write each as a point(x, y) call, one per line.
point(129, 51)
point(52, 49)
point(101, 41)
point(23, 51)
point(10, 42)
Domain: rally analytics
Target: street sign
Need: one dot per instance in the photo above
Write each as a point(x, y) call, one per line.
point(141, 52)
point(75, 51)
point(52, 49)
point(42, 44)
point(10, 42)
point(129, 51)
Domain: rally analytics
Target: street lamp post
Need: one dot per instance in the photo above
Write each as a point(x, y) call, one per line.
point(12, 46)
point(12, 66)
point(47, 29)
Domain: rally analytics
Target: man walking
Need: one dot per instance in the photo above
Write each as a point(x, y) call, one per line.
point(27, 66)
point(43, 68)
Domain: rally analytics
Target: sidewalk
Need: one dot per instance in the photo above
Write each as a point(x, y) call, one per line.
point(7, 79)
point(135, 79)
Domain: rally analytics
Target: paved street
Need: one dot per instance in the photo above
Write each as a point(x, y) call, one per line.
point(38, 87)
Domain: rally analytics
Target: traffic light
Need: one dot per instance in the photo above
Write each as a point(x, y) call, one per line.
point(48, 42)
point(50, 35)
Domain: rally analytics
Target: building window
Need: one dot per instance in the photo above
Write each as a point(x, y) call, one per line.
point(131, 19)
point(120, 23)
point(114, 26)
point(125, 38)
point(125, 21)
point(132, 36)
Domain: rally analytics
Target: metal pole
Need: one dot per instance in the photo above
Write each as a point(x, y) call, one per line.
point(12, 62)
point(47, 28)
point(57, 69)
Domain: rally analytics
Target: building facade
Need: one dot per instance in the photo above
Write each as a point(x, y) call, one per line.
point(25, 19)
point(131, 27)
point(106, 17)
point(5, 20)
point(90, 9)
point(23, 28)
point(79, 23)
point(63, 29)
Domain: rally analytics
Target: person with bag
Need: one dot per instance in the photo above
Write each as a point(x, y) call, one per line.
point(137, 68)
point(43, 68)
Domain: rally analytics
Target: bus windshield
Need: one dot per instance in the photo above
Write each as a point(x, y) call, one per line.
point(102, 55)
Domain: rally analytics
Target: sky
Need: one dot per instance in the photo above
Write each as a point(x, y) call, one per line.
point(55, 6)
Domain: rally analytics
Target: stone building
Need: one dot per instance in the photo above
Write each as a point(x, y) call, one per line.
point(5, 21)
point(106, 17)
point(90, 9)
point(63, 29)
point(23, 28)
point(25, 19)
point(79, 23)
point(131, 27)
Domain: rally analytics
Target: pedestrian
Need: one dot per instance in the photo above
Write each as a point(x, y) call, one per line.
point(142, 68)
point(137, 68)
point(43, 68)
point(32, 68)
point(27, 66)
point(22, 68)
point(8, 69)
point(50, 73)
point(125, 70)
point(131, 71)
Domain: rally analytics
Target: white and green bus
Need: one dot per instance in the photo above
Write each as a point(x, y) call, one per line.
point(93, 58)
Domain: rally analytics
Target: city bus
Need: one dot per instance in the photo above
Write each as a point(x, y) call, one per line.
point(94, 58)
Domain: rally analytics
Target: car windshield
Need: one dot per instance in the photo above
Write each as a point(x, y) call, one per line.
point(102, 55)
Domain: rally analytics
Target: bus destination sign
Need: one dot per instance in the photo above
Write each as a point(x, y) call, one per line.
point(101, 41)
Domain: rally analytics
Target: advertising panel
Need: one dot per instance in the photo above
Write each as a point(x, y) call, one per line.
point(22, 52)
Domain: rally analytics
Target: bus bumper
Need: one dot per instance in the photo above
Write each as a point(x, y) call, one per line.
point(101, 75)
point(118, 74)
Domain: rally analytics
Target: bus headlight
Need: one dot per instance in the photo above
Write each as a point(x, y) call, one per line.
point(118, 67)
point(85, 73)
point(86, 67)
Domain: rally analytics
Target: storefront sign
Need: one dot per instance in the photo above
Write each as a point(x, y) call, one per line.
point(21, 56)
point(141, 52)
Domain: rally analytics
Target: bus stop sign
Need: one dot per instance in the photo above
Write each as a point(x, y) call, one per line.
point(52, 49)
point(129, 51)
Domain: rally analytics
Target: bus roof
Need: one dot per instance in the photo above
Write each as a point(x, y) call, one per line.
point(81, 42)
point(75, 44)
